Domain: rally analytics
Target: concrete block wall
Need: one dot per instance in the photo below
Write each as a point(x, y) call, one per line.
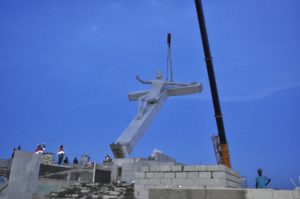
point(130, 166)
point(180, 176)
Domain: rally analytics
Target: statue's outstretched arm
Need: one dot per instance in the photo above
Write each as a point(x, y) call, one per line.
point(181, 84)
point(142, 81)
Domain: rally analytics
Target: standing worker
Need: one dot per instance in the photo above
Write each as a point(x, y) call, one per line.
point(44, 147)
point(261, 181)
point(107, 158)
point(39, 149)
point(60, 153)
point(13, 153)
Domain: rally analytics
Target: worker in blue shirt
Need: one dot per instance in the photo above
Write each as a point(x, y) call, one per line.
point(261, 181)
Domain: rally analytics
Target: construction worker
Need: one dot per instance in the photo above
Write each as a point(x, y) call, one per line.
point(44, 147)
point(66, 161)
point(107, 158)
point(13, 153)
point(60, 153)
point(75, 161)
point(39, 149)
point(261, 181)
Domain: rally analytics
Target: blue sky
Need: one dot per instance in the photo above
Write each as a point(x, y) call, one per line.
point(66, 68)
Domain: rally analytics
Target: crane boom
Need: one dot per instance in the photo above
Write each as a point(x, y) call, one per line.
point(225, 157)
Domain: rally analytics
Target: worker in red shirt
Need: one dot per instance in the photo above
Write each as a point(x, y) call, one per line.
point(39, 149)
point(61, 154)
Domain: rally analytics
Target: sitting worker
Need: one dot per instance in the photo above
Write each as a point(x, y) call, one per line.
point(66, 161)
point(75, 161)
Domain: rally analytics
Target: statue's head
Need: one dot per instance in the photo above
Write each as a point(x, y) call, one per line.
point(159, 75)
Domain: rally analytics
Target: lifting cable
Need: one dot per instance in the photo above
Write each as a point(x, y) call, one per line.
point(169, 59)
point(169, 52)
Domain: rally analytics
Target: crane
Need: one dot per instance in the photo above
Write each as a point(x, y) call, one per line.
point(220, 141)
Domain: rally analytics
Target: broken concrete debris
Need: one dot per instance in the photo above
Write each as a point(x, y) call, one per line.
point(94, 191)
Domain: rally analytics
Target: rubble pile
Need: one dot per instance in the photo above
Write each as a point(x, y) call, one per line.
point(93, 191)
point(4, 174)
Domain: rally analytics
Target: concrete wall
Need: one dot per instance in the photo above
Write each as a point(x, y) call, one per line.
point(23, 176)
point(222, 193)
point(179, 176)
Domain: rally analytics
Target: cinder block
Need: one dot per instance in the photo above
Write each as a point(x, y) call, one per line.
point(144, 168)
point(154, 181)
point(181, 174)
point(232, 184)
point(200, 168)
point(188, 183)
point(165, 167)
point(149, 175)
point(165, 181)
point(177, 182)
point(232, 172)
point(236, 174)
point(205, 175)
point(170, 175)
point(188, 168)
point(155, 168)
point(192, 175)
point(158, 175)
point(218, 174)
point(220, 182)
point(201, 182)
point(214, 168)
point(235, 179)
point(222, 168)
point(176, 167)
point(139, 175)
